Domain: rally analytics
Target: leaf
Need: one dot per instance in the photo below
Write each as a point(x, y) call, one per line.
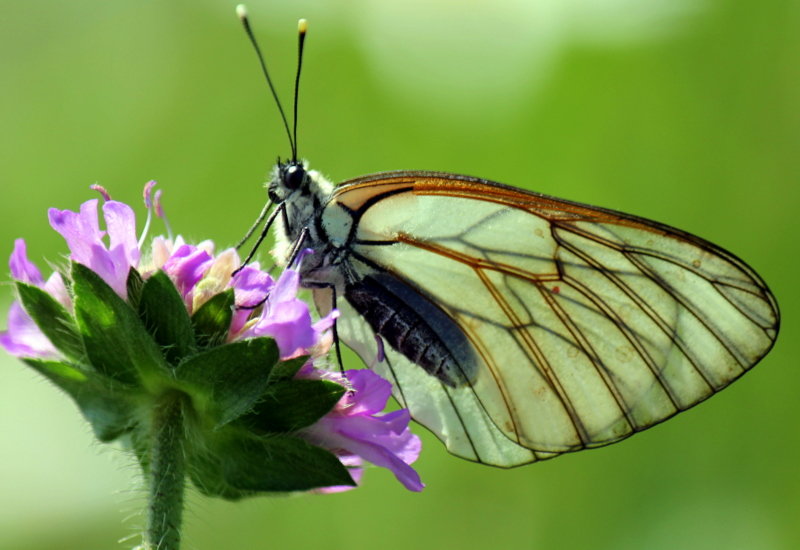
point(285, 370)
point(290, 405)
point(164, 314)
point(212, 320)
point(115, 339)
point(52, 319)
point(244, 465)
point(101, 401)
point(226, 381)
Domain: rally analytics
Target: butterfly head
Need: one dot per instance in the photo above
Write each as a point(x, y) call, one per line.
point(299, 194)
point(291, 180)
point(287, 178)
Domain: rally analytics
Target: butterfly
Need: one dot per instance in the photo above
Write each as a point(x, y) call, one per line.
point(514, 325)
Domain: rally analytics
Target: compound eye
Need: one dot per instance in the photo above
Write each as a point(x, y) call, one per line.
point(294, 176)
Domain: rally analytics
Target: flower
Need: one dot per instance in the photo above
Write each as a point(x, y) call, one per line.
point(173, 318)
point(356, 430)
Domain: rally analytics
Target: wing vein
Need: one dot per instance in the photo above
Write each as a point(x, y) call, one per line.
point(538, 359)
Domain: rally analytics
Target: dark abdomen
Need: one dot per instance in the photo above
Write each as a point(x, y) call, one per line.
point(413, 326)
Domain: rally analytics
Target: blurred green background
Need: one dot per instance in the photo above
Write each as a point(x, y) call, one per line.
point(684, 111)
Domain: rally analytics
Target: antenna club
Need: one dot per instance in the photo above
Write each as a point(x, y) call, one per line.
point(241, 11)
point(302, 26)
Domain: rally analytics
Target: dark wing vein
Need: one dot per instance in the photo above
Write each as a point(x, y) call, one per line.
point(648, 310)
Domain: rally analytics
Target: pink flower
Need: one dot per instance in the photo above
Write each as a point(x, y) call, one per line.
point(355, 427)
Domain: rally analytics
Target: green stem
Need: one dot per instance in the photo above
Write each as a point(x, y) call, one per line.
point(166, 477)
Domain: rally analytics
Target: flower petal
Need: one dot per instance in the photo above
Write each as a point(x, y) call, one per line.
point(57, 289)
point(23, 338)
point(85, 240)
point(286, 287)
point(289, 323)
point(121, 227)
point(22, 269)
point(370, 392)
point(353, 428)
point(186, 267)
point(367, 438)
point(80, 230)
point(251, 286)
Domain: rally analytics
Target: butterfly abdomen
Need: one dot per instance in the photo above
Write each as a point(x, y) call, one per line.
point(405, 329)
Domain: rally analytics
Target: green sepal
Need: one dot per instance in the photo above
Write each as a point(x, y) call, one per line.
point(290, 405)
point(164, 314)
point(285, 370)
point(212, 320)
point(102, 401)
point(134, 284)
point(116, 342)
point(52, 319)
point(245, 465)
point(226, 381)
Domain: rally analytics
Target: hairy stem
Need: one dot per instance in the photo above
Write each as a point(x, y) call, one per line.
point(166, 477)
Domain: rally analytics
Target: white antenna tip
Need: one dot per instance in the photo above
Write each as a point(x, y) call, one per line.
point(241, 11)
point(302, 26)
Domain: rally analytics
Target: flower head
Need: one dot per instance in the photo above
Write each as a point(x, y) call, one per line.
point(127, 323)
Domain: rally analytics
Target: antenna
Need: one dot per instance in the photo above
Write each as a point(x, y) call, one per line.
point(241, 11)
point(302, 28)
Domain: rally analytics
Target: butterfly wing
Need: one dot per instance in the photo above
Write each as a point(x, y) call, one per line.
point(586, 325)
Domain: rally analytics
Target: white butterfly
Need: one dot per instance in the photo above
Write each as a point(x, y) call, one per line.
point(514, 325)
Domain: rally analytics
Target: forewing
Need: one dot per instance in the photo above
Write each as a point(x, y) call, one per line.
point(588, 325)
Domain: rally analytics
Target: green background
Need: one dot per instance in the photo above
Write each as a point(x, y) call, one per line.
point(684, 112)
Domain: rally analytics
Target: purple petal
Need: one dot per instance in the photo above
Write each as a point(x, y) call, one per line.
point(23, 269)
point(370, 392)
point(104, 264)
point(186, 267)
point(406, 446)
point(57, 289)
point(121, 227)
point(286, 287)
point(251, 286)
point(80, 230)
point(380, 456)
point(326, 322)
point(353, 428)
point(367, 438)
point(389, 431)
point(289, 323)
point(23, 338)
point(85, 240)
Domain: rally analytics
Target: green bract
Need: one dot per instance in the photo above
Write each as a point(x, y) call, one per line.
point(240, 402)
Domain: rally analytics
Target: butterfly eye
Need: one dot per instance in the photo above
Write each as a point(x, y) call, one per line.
point(293, 176)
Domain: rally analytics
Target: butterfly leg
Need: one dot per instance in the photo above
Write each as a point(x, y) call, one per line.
point(261, 237)
point(297, 247)
point(336, 342)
